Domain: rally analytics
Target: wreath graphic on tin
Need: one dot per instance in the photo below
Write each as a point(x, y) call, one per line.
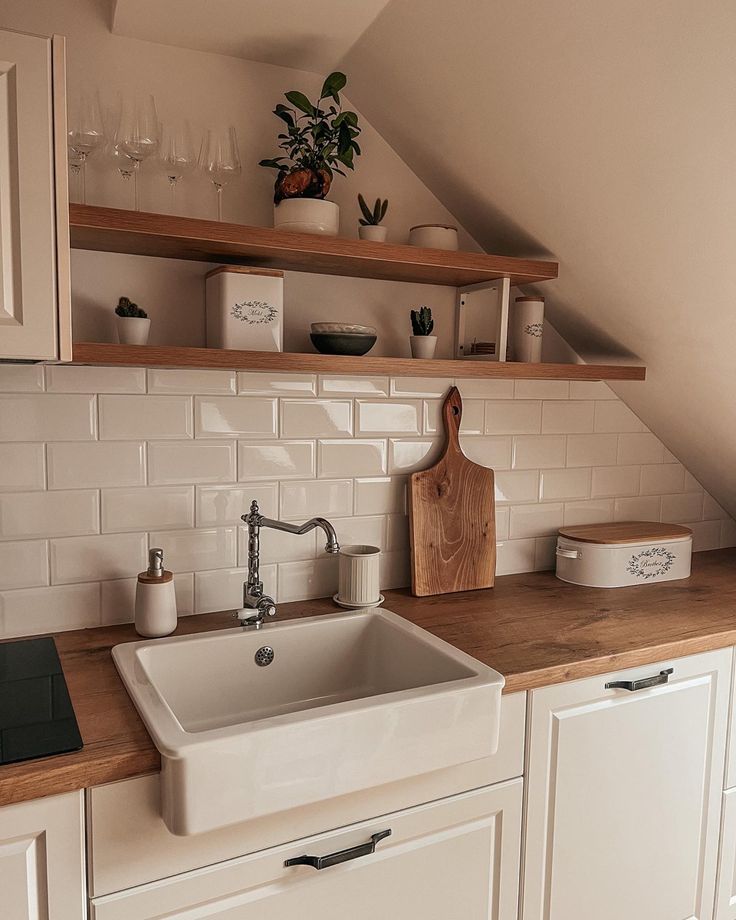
point(534, 329)
point(254, 312)
point(657, 560)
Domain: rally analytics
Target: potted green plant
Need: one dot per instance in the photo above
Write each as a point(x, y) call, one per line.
point(370, 223)
point(423, 343)
point(132, 323)
point(319, 141)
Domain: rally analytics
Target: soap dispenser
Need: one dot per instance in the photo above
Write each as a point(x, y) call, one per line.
point(155, 601)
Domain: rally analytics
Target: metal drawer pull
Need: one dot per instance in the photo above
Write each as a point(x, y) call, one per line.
point(334, 859)
point(642, 684)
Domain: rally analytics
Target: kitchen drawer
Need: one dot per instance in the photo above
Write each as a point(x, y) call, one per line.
point(726, 889)
point(131, 845)
point(457, 858)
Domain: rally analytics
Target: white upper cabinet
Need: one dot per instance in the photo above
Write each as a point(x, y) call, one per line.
point(624, 794)
point(34, 234)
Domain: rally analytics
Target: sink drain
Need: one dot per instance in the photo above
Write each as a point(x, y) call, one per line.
point(264, 656)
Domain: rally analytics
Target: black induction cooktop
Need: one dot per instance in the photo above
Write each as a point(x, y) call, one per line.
point(36, 715)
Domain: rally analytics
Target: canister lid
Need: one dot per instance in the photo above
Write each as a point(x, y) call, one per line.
point(625, 532)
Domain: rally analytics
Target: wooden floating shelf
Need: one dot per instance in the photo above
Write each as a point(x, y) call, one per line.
point(138, 233)
point(174, 356)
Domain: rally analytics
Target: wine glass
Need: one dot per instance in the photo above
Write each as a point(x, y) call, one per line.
point(177, 155)
point(85, 135)
point(220, 159)
point(137, 135)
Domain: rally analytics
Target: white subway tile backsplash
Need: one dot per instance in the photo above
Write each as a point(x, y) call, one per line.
point(261, 384)
point(97, 558)
point(545, 559)
point(613, 481)
point(712, 511)
point(188, 382)
point(615, 416)
point(426, 387)
point(513, 556)
point(316, 498)
point(523, 416)
point(485, 389)
point(395, 570)
point(541, 389)
point(47, 417)
point(318, 418)
point(591, 389)
point(533, 452)
point(354, 386)
point(40, 610)
point(660, 478)
point(503, 515)
point(61, 378)
point(567, 417)
point(682, 508)
point(220, 505)
point(223, 590)
point(517, 486)
point(183, 462)
point(352, 458)
point(22, 467)
point(302, 580)
point(277, 546)
point(470, 423)
point(389, 418)
point(386, 495)
point(153, 508)
point(556, 485)
point(193, 550)
point(640, 448)
point(235, 416)
point(591, 449)
point(407, 456)
point(21, 378)
point(643, 508)
point(128, 418)
point(28, 515)
point(371, 530)
point(591, 511)
point(493, 452)
point(535, 520)
point(397, 536)
point(706, 535)
point(24, 564)
point(94, 464)
point(276, 460)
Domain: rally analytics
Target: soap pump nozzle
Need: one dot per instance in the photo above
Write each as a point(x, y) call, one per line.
point(155, 563)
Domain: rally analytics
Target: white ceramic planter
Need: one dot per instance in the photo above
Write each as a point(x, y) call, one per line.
point(433, 236)
point(307, 215)
point(133, 330)
point(373, 232)
point(423, 346)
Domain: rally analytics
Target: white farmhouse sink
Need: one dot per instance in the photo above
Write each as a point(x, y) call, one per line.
point(350, 701)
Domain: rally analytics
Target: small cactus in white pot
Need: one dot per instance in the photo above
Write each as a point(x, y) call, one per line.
point(423, 343)
point(132, 323)
point(370, 223)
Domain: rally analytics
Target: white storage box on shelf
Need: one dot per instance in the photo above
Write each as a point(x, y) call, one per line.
point(245, 308)
point(627, 553)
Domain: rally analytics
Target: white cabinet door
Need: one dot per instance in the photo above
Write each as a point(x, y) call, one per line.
point(726, 891)
point(624, 792)
point(34, 282)
point(42, 859)
point(456, 859)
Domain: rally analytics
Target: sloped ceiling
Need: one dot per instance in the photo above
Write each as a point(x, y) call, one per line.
point(604, 134)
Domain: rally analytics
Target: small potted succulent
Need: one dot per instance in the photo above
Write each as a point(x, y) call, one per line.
point(132, 322)
point(370, 223)
point(319, 141)
point(423, 343)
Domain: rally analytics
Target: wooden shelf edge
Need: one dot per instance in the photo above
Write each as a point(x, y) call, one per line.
point(174, 356)
point(140, 233)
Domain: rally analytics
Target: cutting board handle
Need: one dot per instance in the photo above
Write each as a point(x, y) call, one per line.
point(452, 412)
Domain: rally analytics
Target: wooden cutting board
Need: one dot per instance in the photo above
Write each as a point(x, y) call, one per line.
point(452, 522)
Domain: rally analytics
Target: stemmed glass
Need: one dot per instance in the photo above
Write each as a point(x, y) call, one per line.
point(220, 159)
point(86, 134)
point(177, 155)
point(136, 137)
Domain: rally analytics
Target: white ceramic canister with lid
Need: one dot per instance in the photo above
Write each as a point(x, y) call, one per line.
point(526, 321)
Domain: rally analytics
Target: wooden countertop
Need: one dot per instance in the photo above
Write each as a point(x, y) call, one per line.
point(533, 628)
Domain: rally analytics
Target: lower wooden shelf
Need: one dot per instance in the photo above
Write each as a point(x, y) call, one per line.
point(174, 356)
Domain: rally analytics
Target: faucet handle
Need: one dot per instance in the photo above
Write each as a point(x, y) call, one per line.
point(267, 606)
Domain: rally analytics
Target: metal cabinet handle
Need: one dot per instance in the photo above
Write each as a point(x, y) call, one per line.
point(334, 859)
point(569, 553)
point(642, 684)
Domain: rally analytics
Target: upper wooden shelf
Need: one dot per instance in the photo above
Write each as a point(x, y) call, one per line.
point(138, 233)
point(174, 356)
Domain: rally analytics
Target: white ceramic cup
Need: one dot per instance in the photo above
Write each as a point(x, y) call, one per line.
point(526, 326)
point(359, 576)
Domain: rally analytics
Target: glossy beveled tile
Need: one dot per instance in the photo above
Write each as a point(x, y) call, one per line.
point(640, 448)
point(47, 417)
point(616, 416)
point(62, 378)
point(493, 452)
point(196, 550)
point(282, 547)
point(568, 416)
point(590, 511)
point(572, 483)
point(389, 417)
point(615, 481)
point(40, 610)
point(485, 389)
point(302, 580)
point(514, 556)
point(683, 508)
point(470, 423)
point(22, 467)
point(276, 460)
point(22, 378)
point(235, 416)
point(153, 508)
point(513, 416)
point(591, 449)
point(371, 530)
point(541, 389)
point(385, 495)
point(261, 384)
point(316, 418)
point(220, 505)
point(95, 464)
point(191, 381)
point(535, 520)
point(352, 458)
point(316, 498)
point(591, 389)
point(183, 462)
point(354, 386)
point(128, 418)
point(223, 589)
point(420, 387)
point(409, 455)
point(516, 486)
point(26, 515)
point(661, 478)
point(97, 558)
point(639, 508)
point(24, 564)
point(532, 452)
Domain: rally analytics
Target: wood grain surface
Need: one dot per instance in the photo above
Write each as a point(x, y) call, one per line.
point(533, 628)
point(452, 517)
point(625, 532)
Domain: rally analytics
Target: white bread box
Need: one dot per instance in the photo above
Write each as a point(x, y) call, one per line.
point(626, 553)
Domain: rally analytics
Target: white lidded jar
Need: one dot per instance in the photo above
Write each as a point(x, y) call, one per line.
point(155, 599)
point(245, 308)
point(625, 553)
point(526, 325)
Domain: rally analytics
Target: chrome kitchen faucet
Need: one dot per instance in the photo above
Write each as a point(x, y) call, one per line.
point(253, 597)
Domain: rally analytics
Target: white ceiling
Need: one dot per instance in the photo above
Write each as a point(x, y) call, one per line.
point(305, 36)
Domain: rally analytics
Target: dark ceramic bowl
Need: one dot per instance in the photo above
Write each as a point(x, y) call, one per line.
point(339, 343)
